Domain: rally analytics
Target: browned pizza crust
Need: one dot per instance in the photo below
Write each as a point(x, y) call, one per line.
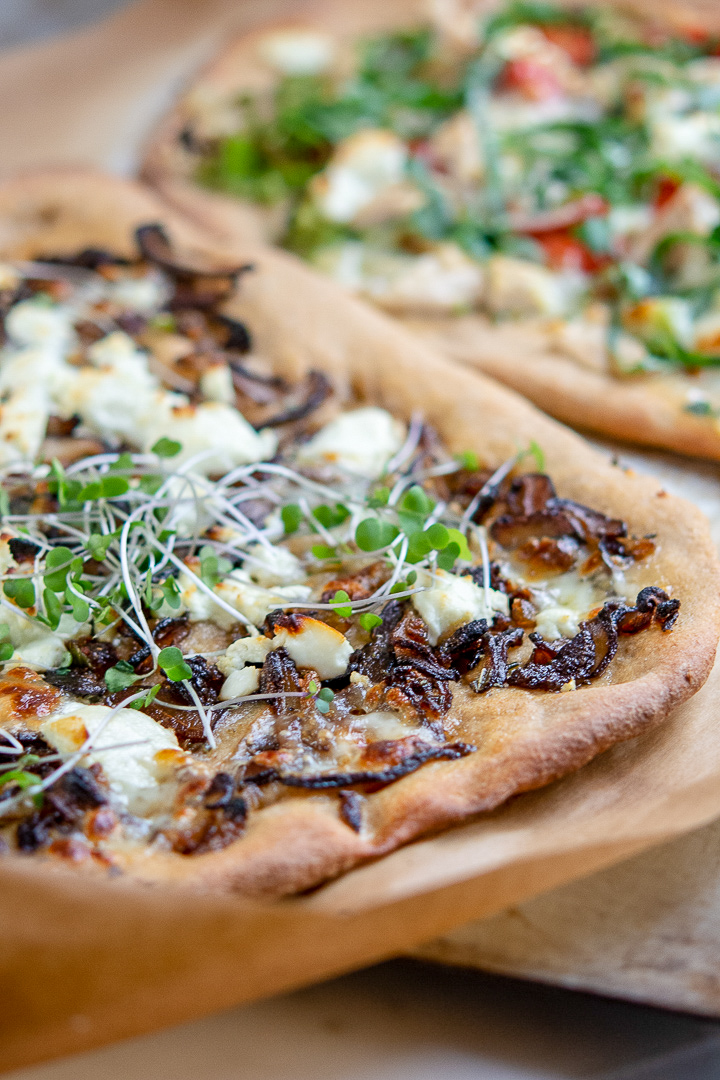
point(524, 738)
point(642, 409)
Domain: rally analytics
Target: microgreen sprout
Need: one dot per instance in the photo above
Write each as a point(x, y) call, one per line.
point(6, 648)
point(369, 620)
point(535, 451)
point(167, 448)
point(291, 516)
point(120, 677)
point(342, 600)
point(172, 663)
point(143, 702)
point(324, 551)
point(322, 696)
point(373, 534)
point(21, 590)
point(330, 516)
point(379, 497)
point(469, 460)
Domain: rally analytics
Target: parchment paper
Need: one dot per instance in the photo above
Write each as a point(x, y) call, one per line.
point(80, 964)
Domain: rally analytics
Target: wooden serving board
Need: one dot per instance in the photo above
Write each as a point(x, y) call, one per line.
point(647, 930)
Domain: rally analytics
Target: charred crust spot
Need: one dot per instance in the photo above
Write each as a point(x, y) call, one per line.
point(23, 693)
point(292, 621)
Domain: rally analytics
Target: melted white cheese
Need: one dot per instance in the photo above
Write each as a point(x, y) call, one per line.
point(449, 601)
point(134, 773)
point(268, 566)
point(210, 426)
point(239, 683)
point(33, 643)
point(317, 646)
point(248, 599)
point(361, 442)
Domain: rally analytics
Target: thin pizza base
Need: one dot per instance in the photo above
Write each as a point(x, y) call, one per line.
point(524, 739)
point(642, 409)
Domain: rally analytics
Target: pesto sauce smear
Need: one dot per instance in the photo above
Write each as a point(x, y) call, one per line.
point(552, 165)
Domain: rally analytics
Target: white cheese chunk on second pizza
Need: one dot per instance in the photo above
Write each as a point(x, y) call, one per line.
point(691, 135)
point(297, 51)
point(438, 281)
point(134, 773)
point(362, 167)
point(449, 601)
point(520, 287)
point(361, 441)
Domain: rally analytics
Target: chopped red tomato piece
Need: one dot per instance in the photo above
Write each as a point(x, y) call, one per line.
point(576, 41)
point(695, 34)
point(561, 217)
point(665, 188)
point(565, 252)
point(532, 78)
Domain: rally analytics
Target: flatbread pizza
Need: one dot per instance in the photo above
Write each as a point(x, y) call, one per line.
point(281, 590)
point(534, 188)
